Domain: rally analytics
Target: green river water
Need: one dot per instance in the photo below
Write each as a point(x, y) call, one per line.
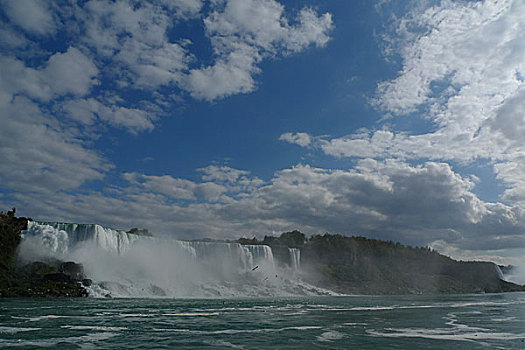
point(482, 321)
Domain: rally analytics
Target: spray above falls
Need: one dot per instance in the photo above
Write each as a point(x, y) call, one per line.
point(125, 264)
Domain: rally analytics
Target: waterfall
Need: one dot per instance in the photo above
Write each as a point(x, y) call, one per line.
point(58, 240)
point(499, 272)
point(130, 265)
point(295, 258)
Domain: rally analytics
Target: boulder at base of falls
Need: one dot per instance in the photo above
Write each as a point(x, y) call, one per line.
point(72, 269)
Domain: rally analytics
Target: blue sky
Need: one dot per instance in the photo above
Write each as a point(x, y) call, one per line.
point(231, 118)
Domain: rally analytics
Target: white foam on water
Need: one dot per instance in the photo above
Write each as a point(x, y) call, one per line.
point(48, 317)
point(95, 328)
point(191, 314)
point(239, 331)
point(455, 331)
point(137, 315)
point(372, 308)
point(330, 336)
point(13, 330)
point(223, 343)
point(445, 334)
point(505, 319)
point(83, 341)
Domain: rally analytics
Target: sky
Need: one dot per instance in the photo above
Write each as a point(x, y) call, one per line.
point(389, 119)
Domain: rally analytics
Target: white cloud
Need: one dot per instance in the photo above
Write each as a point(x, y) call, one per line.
point(383, 199)
point(219, 184)
point(511, 173)
point(128, 44)
point(183, 8)
point(15, 78)
point(11, 39)
point(86, 111)
point(462, 70)
point(64, 73)
point(38, 155)
point(312, 29)
point(222, 173)
point(32, 15)
point(154, 66)
point(70, 72)
point(116, 44)
point(242, 33)
point(234, 180)
point(136, 37)
point(230, 75)
point(211, 191)
point(165, 185)
point(300, 138)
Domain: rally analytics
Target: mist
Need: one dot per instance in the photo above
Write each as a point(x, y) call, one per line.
point(127, 265)
point(517, 273)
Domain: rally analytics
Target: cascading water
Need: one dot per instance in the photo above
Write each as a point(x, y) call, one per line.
point(59, 238)
point(126, 264)
point(295, 258)
point(499, 272)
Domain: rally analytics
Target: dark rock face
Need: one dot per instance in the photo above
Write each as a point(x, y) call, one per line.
point(86, 282)
point(72, 269)
point(37, 279)
point(358, 265)
point(140, 232)
point(156, 290)
point(57, 277)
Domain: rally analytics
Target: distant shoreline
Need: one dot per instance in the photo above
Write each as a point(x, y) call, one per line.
point(345, 265)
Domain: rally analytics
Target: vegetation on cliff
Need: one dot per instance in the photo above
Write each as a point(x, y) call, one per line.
point(37, 279)
point(358, 265)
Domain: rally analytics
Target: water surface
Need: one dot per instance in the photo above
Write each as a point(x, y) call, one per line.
point(489, 321)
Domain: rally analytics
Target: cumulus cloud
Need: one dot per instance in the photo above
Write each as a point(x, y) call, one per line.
point(299, 138)
point(183, 8)
point(111, 50)
point(38, 155)
point(242, 33)
point(70, 72)
point(32, 15)
point(166, 185)
point(219, 184)
point(135, 38)
point(387, 199)
point(232, 74)
point(462, 70)
point(86, 111)
point(131, 44)
point(11, 39)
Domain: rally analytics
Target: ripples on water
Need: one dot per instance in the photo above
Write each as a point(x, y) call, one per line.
point(491, 321)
